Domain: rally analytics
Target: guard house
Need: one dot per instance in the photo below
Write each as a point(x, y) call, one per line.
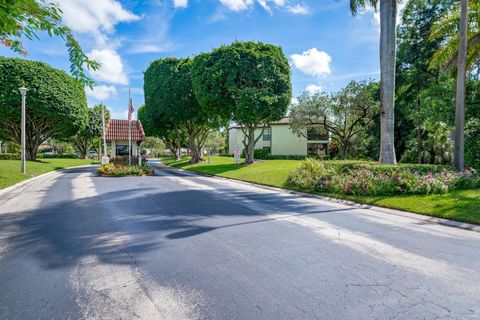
point(116, 135)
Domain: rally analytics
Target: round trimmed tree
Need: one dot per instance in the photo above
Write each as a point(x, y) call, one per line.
point(248, 82)
point(56, 104)
point(169, 98)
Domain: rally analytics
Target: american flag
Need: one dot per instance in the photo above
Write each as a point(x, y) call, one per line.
point(130, 110)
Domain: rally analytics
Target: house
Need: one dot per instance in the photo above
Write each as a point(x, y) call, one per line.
point(280, 140)
point(116, 135)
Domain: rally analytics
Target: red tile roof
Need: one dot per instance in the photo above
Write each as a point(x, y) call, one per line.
point(118, 130)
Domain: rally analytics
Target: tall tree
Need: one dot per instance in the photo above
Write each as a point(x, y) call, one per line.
point(344, 114)
point(84, 139)
point(169, 93)
point(388, 18)
point(56, 103)
point(415, 76)
point(156, 125)
point(458, 154)
point(248, 82)
point(24, 18)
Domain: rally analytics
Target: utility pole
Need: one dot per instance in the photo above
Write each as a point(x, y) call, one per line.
point(23, 165)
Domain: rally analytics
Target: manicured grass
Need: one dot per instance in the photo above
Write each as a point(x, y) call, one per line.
point(267, 172)
point(10, 169)
point(459, 205)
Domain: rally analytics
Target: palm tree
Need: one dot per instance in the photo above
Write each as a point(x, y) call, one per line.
point(388, 17)
point(458, 155)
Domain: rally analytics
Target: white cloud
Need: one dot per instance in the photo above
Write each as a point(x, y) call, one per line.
point(241, 5)
point(312, 89)
point(180, 3)
point(96, 17)
point(101, 92)
point(298, 9)
point(312, 62)
point(237, 5)
point(150, 48)
point(111, 69)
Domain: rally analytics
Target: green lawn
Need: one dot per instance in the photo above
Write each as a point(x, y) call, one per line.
point(459, 205)
point(10, 169)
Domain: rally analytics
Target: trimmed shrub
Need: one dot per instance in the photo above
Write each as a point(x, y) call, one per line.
point(376, 179)
point(121, 171)
point(56, 156)
point(308, 173)
point(9, 156)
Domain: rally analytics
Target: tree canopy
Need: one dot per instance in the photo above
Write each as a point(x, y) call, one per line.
point(169, 95)
point(56, 105)
point(248, 82)
point(24, 18)
point(84, 139)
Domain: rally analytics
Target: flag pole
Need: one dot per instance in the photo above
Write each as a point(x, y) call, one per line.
point(129, 129)
point(104, 158)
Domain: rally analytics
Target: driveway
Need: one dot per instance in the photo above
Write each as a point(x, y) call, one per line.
point(180, 246)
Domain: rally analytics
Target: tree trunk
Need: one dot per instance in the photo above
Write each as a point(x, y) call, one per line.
point(250, 157)
point(31, 150)
point(388, 15)
point(194, 149)
point(458, 155)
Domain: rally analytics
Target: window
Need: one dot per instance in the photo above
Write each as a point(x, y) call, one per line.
point(121, 150)
point(316, 133)
point(267, 134)
point(317, 149)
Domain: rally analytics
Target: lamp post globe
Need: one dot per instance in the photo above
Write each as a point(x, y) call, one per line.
point(23, 165)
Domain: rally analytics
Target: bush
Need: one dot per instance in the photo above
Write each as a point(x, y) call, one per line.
point(56, 156)
point(376, 179)
point(121, 171)
point(307, 175)
point(124, 161)
point(9, 156)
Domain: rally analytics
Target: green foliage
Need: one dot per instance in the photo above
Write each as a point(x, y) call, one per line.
point(446, 29)
point(216, 141)
point(9, 156)
point(472, 142)
point(248, 82)
point(121, 170)
point(152, 143)
point(56, 105)
point(170, 103)
point(374, 179)
point(308, 173)
point(346, 115)
point(84, 139)
point(24, 18)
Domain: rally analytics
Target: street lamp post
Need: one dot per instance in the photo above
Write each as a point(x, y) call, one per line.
point(23, 165)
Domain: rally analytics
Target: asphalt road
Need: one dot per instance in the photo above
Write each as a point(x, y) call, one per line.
point(177, 246)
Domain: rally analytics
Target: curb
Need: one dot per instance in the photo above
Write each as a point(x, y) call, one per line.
point(32, 180)
point(412, 215)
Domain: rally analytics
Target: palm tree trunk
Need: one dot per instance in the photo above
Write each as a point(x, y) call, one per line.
point(388, 16)
point(458, 155)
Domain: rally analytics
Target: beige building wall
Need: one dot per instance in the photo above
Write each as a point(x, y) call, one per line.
point(286, 143)
point(283, 141)
point(235, 137)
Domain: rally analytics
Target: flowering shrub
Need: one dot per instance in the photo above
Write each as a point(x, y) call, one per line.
point(308, 173)
point(121, 171)
point(380, 180)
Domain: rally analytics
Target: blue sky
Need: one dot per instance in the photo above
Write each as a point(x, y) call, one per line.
point(325, 45)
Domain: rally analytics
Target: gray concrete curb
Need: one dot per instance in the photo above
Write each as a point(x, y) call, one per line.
point(424, 218)
point(28, 182)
